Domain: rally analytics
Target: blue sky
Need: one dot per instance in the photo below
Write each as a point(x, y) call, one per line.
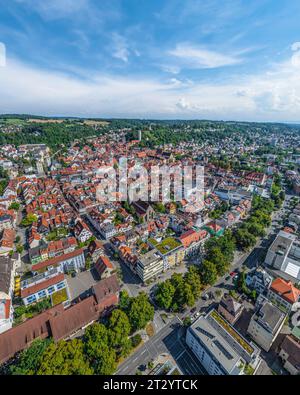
point(235, 59)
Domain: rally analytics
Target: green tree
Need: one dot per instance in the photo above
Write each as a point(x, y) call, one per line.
point(183, 296)
point(120, 329)
point(192, 278)
point(216, 256)
point(95, 337)
point(30, 360)
point(255, 228)
point(14, 206)
point(208, 273)
point(65, 358)
point(164, 294)
point(96, 345)
point(187, 321)
point(140, 312)
point(124, 300)
point(159, 207)
point(20, 249)
point(29, 220)
point(244, 239)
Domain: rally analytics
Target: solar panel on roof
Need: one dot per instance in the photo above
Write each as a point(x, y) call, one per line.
point(223, 349)
point(204, 332)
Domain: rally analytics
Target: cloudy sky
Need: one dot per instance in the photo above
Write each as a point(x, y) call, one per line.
point(188, 59)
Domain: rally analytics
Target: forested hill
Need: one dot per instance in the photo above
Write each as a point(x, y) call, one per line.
point(54, 132)
point(27, 129)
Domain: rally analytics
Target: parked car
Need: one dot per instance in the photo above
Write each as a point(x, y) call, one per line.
point(193, 310)
point(232, 274)
point(205, 297)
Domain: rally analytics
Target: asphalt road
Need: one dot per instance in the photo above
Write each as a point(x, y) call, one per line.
point(170, 340)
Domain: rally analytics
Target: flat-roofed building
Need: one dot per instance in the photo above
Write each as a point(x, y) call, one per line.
point(170, 249)
point(284, 254)
point(220, 348)
point(265, 323)
point(149, 265)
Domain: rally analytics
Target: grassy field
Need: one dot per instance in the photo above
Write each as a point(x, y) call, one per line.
point(46, 120)
point(12, 121)
point(95, 123)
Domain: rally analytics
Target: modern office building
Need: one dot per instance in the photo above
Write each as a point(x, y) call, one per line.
point(220, 348)
point(284, 254)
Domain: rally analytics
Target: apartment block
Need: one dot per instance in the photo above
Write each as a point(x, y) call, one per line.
point(266, 323)
point(149, 265)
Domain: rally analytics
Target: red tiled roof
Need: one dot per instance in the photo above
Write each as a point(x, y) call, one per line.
point(286, 290)
point(106, 262)
point(43, 285)
point(191, 236)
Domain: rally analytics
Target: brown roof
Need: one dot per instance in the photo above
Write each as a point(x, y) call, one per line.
point(74, 318)
point(231, 305)
point(291, 346)
point(57, 260)
point(105, 288)
point(20, 337)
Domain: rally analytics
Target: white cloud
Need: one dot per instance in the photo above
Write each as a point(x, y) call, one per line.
point(120, 48)
point(273, 95)
point(2, 55)
point(171, 69)
point(201, 58)
point(183, 104)
point(295, 46)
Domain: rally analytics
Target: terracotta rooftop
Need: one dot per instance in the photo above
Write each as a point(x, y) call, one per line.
point(42, 285)
point(286, 290)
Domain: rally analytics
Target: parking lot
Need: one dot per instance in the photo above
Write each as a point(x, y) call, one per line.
point(81, 284)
